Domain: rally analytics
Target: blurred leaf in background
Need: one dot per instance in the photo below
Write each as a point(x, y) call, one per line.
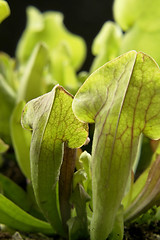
point(4, 10)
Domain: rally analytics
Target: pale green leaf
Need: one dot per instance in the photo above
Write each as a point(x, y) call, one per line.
point(7, 70)
point(61, 68)
point(121, 98)
point(85, 160)
point(7, 99)
point(7, 94)
point(106, 44)
point(32, 83)
point(4, 10)
point(49, 28)
point(3, 146)
point(79, 177)
point(142, 40)
point(145, 14)
point(53, 123)
point(142, 25)
point(21, 140)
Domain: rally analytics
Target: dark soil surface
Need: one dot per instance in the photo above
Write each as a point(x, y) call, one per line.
point(132, 232)
point(142, 232)
point(18, 236)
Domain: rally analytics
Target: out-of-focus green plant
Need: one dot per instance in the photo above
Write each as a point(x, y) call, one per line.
point(3, 148)
point(66, 51)
point(71, 193)
point(46, 54)
point(142, 26)
point(4, 10)
point(140, 22)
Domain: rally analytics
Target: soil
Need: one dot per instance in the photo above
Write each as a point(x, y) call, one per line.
point(142, 232)
point(21, 236)
point(132, 232)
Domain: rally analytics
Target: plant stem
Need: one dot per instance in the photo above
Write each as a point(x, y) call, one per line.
point(65, 183)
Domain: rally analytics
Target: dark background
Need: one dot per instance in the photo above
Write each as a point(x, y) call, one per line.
point(82, 17)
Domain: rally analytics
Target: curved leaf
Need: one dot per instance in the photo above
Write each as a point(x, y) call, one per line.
point(3, 146)
point(49, 28)
point(146, 15)
point(53, 123)
point(78, 228)
point(121, 98)
point(142, 40)
point(15, 218)
point(32, 82)
point(4, 10)
point(7, 94)
point(61, 68)
point(21, 140)
point(149, 195)
point(14, 193)
point(106, 44)
point(145, 192)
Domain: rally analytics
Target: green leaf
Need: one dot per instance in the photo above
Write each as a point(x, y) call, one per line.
point(78, 227)
point(7, 95)
point(118, 229)
point(122, 98)
point(14, 193)
point(7, 70)
point(21, 140)
point(146, 190)
point(49, 28)
point(53, 123)
point(7, 103)
point(79, 177)
point(61, 68)
point(106, 44)
point(85, 160)
point(135, 189)
point(4, 10)
point(3, 146)
point(149, 195)
point(15, 218)
point(34, 210)
point(142, 40)
point(142, 25)
point(32, 83)
point(146, 15)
